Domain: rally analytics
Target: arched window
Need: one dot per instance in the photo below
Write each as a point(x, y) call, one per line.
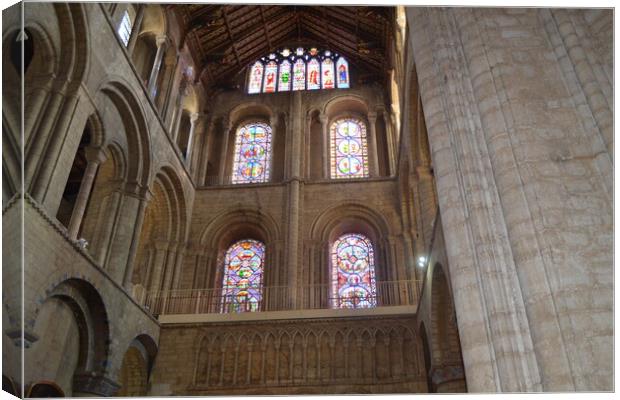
point(252, 153)
point(124, 29)
point(353, 272)
point(242, 286)
point(349, 149)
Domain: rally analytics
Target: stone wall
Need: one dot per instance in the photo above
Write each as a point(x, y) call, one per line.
point(328, 355)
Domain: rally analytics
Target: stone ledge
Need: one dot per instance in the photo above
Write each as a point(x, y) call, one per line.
point(285, 315)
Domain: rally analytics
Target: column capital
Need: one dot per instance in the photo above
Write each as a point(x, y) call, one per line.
point(274, 120)
point(95, 154)
point(323, 118)
point(193, 117)
point(372, 117)
point(161, 40)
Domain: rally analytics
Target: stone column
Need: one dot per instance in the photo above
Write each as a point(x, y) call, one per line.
point(374, 151)
point(223, 155)
point(135, 31)
point(144, 199)
point(94, 156)
point(192, 118)
point(176, 121)
point(326, 153)
point(389, 140)
point(204, 159)
point(124, 232)
point(294, 196)
point(161, 47)
point(308, 147)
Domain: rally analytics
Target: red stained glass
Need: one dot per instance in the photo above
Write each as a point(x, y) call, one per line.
point(242, 287)
point(353, 272)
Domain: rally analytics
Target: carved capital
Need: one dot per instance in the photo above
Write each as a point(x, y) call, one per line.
point(324, 119)
point(161, 40)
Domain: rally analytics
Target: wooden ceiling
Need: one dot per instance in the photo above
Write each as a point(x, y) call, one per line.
point(225, 39)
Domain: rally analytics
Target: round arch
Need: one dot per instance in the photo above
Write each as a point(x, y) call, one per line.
point(136, 129)
point(136, 366)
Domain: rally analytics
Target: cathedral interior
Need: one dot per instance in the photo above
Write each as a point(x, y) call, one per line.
point(209, 199)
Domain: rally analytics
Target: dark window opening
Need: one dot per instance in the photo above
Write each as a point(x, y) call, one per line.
point(16, 51)
point(72, 188)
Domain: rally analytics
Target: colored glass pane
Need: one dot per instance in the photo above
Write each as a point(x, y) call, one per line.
point(327, 75)
point(271, 70)
point(353, 272)
point(349, 149)
point(252, 154)
point(299, 75)
point(314, 73)
point(242, 287)
point(342, 71)
point(284, 81)
point(256, 77)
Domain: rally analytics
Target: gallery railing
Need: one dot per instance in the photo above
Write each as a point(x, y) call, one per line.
point(275, 298)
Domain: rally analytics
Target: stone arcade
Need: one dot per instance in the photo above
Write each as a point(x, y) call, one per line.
point(244, 199)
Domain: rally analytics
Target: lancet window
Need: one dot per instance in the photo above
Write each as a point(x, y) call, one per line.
point(302, 69)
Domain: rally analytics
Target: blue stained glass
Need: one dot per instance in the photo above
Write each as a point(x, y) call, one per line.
point(252, 154)
point(353, 272)
point(242, 287)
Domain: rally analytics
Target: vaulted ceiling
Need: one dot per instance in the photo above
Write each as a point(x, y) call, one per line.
point(225, 39)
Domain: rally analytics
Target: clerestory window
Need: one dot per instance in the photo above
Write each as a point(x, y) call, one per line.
point(301, 69)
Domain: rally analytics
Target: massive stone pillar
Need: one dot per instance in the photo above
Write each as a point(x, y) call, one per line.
point(522, 178)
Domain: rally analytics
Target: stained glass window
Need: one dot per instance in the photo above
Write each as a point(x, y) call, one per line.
point(349, 149)
point(242, 286)
point(256, 77)
point(353, 272)
point(327, 74)
point(342, 68)
point(270, 77)
point(314, 74)
point(299, 75)
point(301, 69)
point(252, 154)
point(124, 29)
point(284, 81)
